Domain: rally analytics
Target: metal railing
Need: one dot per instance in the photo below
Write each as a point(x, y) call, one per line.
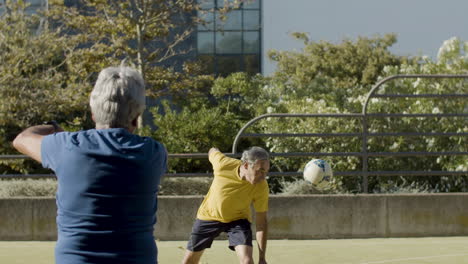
point(365, 154)
point(364, 135)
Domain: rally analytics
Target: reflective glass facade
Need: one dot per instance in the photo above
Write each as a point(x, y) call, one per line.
point(33, 6)
point(230, 42)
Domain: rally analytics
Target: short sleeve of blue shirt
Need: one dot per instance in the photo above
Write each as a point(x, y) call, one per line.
point(50, 149)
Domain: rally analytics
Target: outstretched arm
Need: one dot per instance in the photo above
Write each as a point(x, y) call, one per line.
point(29, 141)
point(262, 235)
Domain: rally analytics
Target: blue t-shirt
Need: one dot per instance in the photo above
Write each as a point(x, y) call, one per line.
point(107, 195)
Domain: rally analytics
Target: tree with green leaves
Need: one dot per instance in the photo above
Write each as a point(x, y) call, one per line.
point(335, 78)
point(333, 72)
point(35, 76)
point(48, 73)
point(149, 35)
point(451, 59)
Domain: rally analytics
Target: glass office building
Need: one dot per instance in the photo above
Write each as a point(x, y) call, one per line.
point(33, 6)
point(229, 42)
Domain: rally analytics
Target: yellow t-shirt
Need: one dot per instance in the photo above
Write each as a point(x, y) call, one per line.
point(230, 197)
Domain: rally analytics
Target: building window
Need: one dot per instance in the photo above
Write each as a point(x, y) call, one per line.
point(33, 6)
point(231, 42)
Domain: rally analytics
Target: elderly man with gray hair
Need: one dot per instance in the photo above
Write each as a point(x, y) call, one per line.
point(108, 177)
point(226, 208)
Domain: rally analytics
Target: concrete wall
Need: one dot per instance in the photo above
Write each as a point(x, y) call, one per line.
point(290, 217)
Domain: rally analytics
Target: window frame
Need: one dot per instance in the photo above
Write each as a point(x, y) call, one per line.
point(212, 7)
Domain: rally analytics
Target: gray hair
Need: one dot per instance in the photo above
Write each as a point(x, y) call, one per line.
point(118, 97)
point(253, 154)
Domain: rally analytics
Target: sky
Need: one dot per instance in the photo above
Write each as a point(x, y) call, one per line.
point(421, 25)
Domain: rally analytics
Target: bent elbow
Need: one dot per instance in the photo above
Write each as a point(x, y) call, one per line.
point(18, 142)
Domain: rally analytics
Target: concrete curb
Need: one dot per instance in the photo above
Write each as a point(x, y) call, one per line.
point(290, 217)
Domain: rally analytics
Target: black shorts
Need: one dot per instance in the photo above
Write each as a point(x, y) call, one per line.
point(204, 232)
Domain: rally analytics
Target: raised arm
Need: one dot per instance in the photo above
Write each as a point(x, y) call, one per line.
point(261, 235)
point(29, 141)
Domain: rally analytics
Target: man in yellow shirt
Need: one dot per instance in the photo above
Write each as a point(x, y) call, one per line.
point(226, 208)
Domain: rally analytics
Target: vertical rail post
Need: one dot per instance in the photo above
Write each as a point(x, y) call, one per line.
point(365, 157)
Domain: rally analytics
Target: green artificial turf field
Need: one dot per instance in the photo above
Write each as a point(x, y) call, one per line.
point(430, 250)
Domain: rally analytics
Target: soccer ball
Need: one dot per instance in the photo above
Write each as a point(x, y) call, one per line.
point(319, 173)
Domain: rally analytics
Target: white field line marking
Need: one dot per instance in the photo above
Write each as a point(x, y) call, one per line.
point(370, 242)
point(419, 244)
point(416, 258)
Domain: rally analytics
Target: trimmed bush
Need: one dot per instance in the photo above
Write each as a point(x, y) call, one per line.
point(28, 187)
